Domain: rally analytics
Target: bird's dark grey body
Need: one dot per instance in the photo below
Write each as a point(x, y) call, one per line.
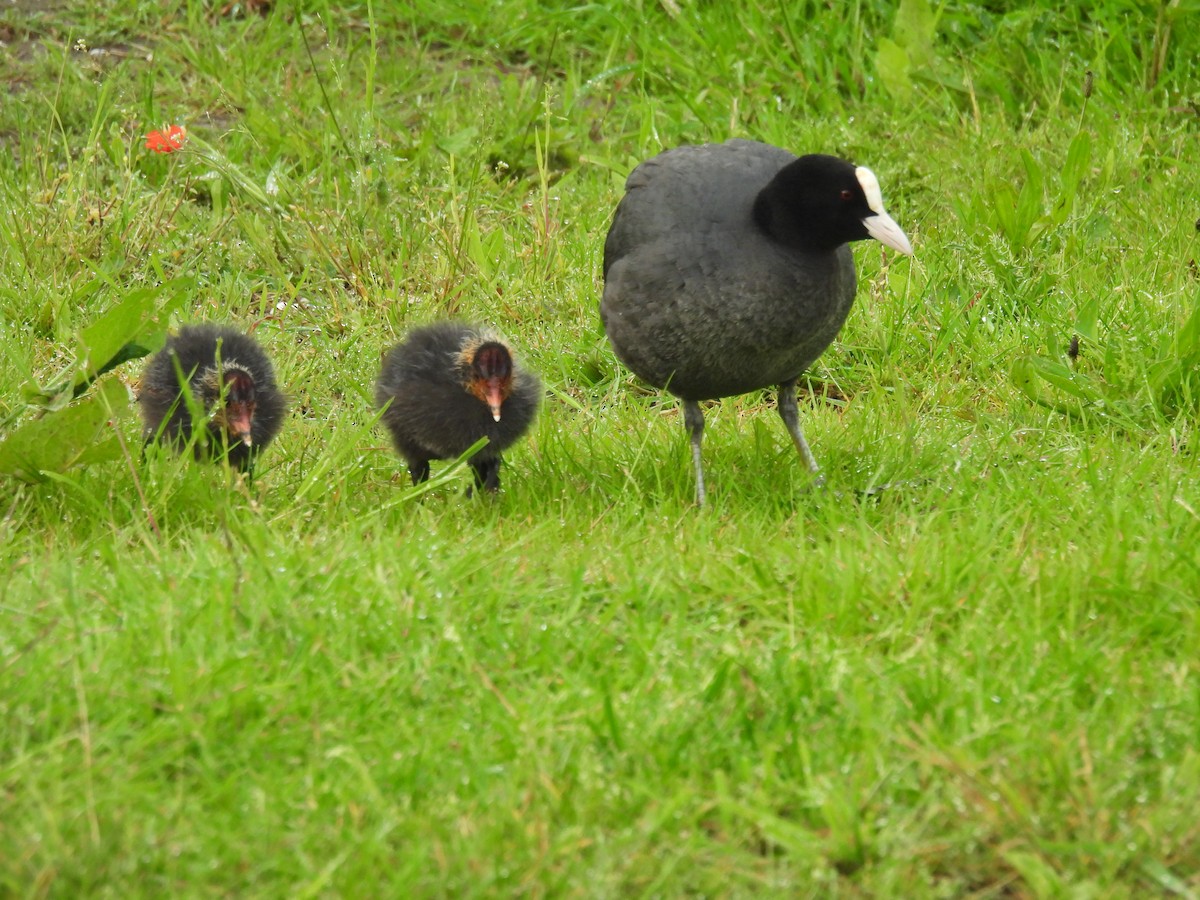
point(430, 413)
point(193, 353)
point(726, 269)
point(696, 298)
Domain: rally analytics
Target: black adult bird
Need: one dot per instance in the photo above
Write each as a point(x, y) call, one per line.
point(726, 270)
point(230, 381)
point(446, 386)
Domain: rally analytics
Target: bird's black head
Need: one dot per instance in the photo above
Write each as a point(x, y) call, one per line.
point(817, 203)
point(491, 375)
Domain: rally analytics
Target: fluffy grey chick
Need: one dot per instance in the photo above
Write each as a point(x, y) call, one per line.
point(231, 381)
point(446, 386)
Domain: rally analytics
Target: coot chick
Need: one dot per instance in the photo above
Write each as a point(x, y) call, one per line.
point(726, 270)
point(229, 377)
point(446, 386)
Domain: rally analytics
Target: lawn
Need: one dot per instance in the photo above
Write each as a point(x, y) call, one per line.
point(968, 666)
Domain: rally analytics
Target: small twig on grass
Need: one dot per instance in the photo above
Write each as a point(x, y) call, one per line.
point(491, 686)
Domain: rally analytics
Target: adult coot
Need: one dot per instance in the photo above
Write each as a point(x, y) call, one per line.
point(726, 270)
point(446, 386)
point(228, 379)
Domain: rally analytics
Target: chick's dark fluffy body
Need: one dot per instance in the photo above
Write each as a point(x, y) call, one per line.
point(430, 411)
point(697, 297)
point(196, 353)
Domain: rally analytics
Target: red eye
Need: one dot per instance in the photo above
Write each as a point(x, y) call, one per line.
point(847, 195)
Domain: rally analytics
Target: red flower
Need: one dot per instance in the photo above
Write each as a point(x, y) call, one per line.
point(167, 141)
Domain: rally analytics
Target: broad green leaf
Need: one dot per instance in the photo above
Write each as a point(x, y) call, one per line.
point(132, 328)
point(1031, 375)
point(460, 142)
point(1004, 200)
point(473, 241)
point(1164, 377)
point(967, 212)
point(1074, 169)
point(1029, 210)
point(1033, 169)
point(64, 438)
point(1062, 377)
point(891, 62)
point(1029, 203)
point(915, 28)
point(1187, 341)
point(1085, 322)
point(1025, 378)
point(1079, 157)
point(1175, 382)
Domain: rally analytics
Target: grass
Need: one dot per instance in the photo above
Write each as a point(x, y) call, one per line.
point(966, 668)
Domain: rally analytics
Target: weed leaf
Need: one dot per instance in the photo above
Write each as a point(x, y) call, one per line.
point(69, 437)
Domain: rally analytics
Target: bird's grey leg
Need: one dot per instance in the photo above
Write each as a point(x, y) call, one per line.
point(789, 412)
point(693, 420)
